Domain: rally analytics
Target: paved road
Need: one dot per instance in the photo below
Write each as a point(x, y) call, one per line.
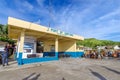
point(67, 69)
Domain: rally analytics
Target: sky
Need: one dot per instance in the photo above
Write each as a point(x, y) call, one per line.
point(98, 19)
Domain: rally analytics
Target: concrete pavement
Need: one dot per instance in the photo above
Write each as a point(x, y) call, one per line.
point(65, 69)
point(14, 66)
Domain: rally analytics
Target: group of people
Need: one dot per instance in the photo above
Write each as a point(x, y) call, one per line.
point(94, 54)
point(8, 50)
point(101, 54)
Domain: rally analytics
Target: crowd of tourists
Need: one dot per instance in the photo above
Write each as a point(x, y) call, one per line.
point(96, 54)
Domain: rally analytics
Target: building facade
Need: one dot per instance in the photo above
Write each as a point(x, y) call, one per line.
point(36, 43)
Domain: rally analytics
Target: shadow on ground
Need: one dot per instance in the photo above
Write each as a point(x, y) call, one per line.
point(32, 76)
point(97, 75)
point(117, 72)
point(63, 78)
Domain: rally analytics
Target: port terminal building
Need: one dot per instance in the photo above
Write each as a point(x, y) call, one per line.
point(37, 43)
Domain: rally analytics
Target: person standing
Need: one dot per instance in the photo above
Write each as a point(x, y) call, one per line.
point(5, 55)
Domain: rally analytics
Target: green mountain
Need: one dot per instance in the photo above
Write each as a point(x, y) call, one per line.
point(93, 43)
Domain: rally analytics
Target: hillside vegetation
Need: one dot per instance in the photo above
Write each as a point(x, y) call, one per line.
point(93, 43)
point(4, 34)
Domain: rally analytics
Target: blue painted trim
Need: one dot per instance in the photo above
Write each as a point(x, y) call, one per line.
point(20, 59)
point(50, 54)
point(34, 60)
point(79, 54)
point(56, 54)
point(73, 54)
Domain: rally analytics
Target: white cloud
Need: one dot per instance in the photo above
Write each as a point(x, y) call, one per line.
point(70, 19)
point(23, 6)
point(108, 15)
point(73, 20)
point(104, 29)
point(40, 2)
point(6, 11)
point(90, 20)
point(27, 5)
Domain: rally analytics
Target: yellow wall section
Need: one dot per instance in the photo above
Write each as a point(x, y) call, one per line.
point(67, 46)
point(63, 46)
point(47, 45)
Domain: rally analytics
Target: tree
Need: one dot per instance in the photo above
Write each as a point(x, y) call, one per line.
point(4, 34)
point(3, 30)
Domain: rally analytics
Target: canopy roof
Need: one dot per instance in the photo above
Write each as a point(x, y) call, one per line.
point(15, 26)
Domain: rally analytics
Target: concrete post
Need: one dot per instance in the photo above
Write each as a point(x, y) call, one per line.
point(22, 36)
point(75, 49)
point(56, 47)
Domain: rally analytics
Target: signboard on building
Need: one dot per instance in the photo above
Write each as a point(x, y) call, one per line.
point(59, 32)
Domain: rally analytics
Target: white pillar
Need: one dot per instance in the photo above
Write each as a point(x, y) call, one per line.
point(56, 44)
point(56, 47)
point(22, 36)
point(75, 46)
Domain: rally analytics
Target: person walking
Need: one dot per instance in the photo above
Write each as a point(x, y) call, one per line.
point(5, 55)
